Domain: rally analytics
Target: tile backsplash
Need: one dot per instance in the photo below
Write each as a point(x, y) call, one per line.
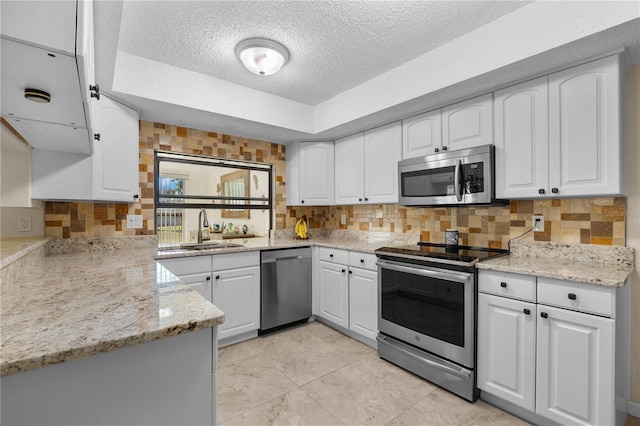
point(583, 220)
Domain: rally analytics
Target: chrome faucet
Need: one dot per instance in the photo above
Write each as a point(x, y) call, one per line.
point(201, 223)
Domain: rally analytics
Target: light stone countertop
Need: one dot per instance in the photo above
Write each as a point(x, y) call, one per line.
point(71, 306)
point(584, 263)
point(13, 248)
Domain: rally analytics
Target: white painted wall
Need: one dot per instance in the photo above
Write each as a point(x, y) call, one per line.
point(9, 221)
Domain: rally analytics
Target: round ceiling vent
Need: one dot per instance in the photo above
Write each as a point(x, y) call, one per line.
point(36, 95)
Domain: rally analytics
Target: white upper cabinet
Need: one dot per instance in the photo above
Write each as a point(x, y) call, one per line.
point(584, 130)
point(110, 174)
point(422, 134)
point(521, 140)
point(317, 173)
point(293, 174)
point(115, 158)
point(468, 124)
point(350, 169)
point(48, 46)
point(382, 151)
point(367, 166)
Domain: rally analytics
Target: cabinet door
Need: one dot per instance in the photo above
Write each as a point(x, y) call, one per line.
point(333, 294)
point(382, 150)
point(115, 155)
point(507, 349)
point(317, 173)
point(237, 293)
point(293, 174)
point(363, 302)
point(199, 282)
point(468, 124)
point(422, 134)
point(584, 130)
point(521, 140)
point(349, 158)
point(575, 374)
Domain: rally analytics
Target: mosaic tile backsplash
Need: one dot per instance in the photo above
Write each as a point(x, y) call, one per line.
point(585, 220)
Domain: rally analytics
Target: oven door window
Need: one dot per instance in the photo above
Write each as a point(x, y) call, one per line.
point(428, 183)
point(430, 306)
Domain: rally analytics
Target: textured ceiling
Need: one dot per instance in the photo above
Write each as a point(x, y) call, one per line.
point(334, 45)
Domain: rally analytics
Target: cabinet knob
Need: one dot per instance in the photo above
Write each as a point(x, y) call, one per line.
point(361, 260)
point(503, 284)
point(344, 270)
point(544, 315)
point(366, 199)
point(527, 311)
point(350, 272)
point(94, 88)
point(209, 278)
point(541, 191)
point(444, 148)
point(302, 201)
point(572, 296)
point(555, 190)
point(331, 255)
point(359, 199)
point(136, 196)
point(96, 136)
point(217, 277)
point(95, 95)
point(437, 150)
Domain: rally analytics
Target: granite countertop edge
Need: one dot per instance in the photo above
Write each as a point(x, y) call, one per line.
point(582, 272)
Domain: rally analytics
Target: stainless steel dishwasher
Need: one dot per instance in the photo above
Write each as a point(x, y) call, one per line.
point(285, 287)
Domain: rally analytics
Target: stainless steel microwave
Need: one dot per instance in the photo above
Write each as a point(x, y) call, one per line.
point(450, 178)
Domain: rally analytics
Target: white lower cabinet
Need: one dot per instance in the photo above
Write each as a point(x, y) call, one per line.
point(236, 290)
point(230, 281)
point(346, 291)
point(575, 367)
point(334, 293)
point(237, 293)
point(554, 362)
point(363, 306)
point(507, 349)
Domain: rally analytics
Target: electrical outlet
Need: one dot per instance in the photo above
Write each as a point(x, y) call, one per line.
point(343, 219)
point(134, 221)
point(24, 224)
point(539, 227)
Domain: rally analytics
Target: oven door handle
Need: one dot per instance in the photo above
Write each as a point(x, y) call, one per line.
point(449, 275)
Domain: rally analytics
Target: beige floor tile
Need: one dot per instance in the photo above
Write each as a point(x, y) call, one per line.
point(245, 384)
point(441, 407)
point(368, 391)
point(292, 408)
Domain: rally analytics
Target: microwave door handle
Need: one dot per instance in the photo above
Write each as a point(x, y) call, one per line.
point(456, 180)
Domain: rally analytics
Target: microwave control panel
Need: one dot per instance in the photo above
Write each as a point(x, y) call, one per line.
point(473, 177)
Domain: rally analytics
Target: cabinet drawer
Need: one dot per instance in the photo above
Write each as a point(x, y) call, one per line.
point(514, 286)
point(358, 259)
point(221, 262)
point(581, 297)
point(187, 265)
point(333, 255)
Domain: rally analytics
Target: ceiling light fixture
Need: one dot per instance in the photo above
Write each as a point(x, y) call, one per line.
point(36, 95)
point(261, 56)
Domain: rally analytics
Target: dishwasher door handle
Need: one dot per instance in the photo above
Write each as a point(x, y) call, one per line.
point(288, 258)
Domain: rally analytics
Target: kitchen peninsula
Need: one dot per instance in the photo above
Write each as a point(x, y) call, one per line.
point(81, 307)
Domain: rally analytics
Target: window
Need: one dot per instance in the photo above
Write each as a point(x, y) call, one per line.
point(186, 184)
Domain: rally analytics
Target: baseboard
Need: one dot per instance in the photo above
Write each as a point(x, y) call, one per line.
point(633, 408)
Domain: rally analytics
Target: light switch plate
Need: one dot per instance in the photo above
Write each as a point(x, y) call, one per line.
point(343, 219)
point(134, 221)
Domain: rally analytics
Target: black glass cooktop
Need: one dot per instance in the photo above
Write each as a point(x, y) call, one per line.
point(442, 252)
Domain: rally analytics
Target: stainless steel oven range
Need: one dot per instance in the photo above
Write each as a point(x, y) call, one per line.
point(427, 311)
